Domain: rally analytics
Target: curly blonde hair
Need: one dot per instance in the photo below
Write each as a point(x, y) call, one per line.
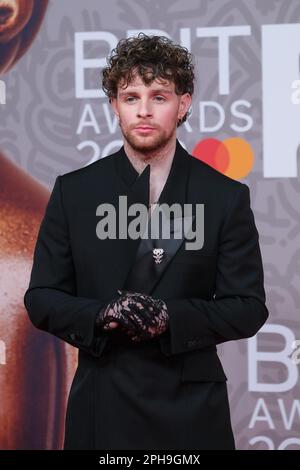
point(151, 57)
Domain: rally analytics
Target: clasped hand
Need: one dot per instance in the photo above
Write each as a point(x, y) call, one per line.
point(138, 315)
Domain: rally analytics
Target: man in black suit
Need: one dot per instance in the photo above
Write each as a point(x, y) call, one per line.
point(147, 313)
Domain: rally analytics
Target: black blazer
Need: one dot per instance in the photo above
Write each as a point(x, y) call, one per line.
point(168, 392)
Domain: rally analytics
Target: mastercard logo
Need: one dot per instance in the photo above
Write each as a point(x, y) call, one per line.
point(233, 157)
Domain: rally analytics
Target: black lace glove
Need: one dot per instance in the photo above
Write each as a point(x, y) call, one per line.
point(139, 315)
point(150, 315)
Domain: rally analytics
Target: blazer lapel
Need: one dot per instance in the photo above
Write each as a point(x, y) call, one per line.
point(136, 188)
point(145, 273)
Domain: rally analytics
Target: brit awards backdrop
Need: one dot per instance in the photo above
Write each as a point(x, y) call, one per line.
point(55, 118)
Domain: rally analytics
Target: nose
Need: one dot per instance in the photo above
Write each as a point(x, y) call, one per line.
point(144, 109)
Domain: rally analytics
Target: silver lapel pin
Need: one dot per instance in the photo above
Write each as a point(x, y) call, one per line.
point(158, 254)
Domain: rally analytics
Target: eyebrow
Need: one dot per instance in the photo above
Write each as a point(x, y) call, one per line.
point(158, 90)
